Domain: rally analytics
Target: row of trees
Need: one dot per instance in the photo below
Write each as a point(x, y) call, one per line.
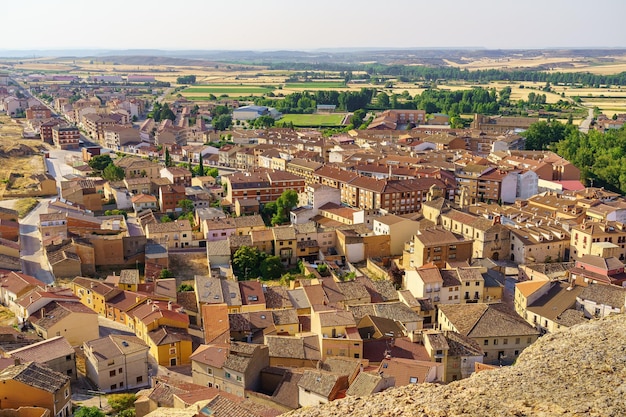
point(186, 79)
point(306, 102)
point(434, 73)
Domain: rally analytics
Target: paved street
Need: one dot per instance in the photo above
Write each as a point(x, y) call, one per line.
point(31, 251)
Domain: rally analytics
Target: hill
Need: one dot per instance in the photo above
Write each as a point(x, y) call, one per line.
point(579, 372)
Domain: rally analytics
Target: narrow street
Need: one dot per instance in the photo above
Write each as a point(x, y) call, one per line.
point(31, 250)
point(585, 124)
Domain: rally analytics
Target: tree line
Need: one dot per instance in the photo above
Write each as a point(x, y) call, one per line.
point(425, 73)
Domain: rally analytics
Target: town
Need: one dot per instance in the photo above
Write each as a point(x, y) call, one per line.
point(165, 255)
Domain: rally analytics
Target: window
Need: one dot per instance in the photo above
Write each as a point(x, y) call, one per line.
point(119, 371)
point(209, 371)
point(68, 357)
point(486, 342)
point(477, 283)
point(517, 340)
point(516, 352)
point(112, 373)
point(413, 380)
point(67, 392)
point(173, 351)
point(139, 379)
point(467, 284)
point(505, 342)
point(238, 378)
point(495, 341)
point(227, 374)
point(529, 340)
point(114, 386)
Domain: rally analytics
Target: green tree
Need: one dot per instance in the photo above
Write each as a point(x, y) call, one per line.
point(100, 162)
point(200, 171)
point(287, 201)
point(246, 261)
point(382, 100)
point(213, 172)
point(127, 413)
point(186, 205)
point(264, 122)
point(184, 288)
point(165, 273)
point(168, 158)
point(89, 412)
point(121, 402)
point(222, 122)
point(271, 268)
point(165, 219)
point(113, 173)
point(166, 113)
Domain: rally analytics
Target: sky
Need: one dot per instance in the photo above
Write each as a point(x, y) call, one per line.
point(309, 25)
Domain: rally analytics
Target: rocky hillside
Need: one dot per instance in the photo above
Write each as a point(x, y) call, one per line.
point(579, 372)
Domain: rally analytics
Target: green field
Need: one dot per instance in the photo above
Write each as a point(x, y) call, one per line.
point(227, 89)
point(313, 120)
point(316, 85)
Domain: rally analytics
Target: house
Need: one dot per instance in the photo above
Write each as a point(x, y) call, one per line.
point(318, 387)
point(500, 333)
point(553, 310)
point(13, 285)
point(65, 136)
point(32, 384)
point(177, 176)
point(74, 321)
point(176, 234)
point(399, 228)
point(337, 332)
point(367, 384)
point(142, 202)
point(301, 351)
point(459, 354)
point(438, 246)
point(408, 371)
point(169, 196)
point(207, 363)
point(252, 296)
point(598, 300)
point(94, 294)
point(56, 353)
point(242, 367)
point(424, 282)
point(117, 363)
point(285, 244)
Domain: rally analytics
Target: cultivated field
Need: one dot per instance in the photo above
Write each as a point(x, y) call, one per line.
point(313, 120)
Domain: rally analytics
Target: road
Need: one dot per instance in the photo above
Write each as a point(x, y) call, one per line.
point(585, 124)
point(31, 251)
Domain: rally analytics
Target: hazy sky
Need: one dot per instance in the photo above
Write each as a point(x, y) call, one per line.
point(295, 24)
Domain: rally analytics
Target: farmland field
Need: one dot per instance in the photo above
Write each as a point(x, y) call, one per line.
point(227, 89)
point(313, 119)
point(316, 85)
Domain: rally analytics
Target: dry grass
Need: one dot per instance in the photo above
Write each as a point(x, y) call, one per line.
point(25, 205)
point(10, 162)
point(7, 318)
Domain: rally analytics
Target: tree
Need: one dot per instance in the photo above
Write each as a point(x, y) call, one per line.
point(184, 288)
point(246, 261)
point(382, 100)
point(168, 158)
point(186, 205)
point(100, 162)
point(166, 219)
point(222, 122)
point(127, 413)
point(89, 412)
point(113, 173)
point(264, 122)
point(166, 113)
point(287, 201)
point(165, 273)
point(271, 268)
point(121, 402)
point(200, 171)
point(213, 172)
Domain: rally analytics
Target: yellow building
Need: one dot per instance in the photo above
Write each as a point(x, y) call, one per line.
point(32, 384)
point(165, 331)
point(337, 332)
point(70, 319)
point(94, 293)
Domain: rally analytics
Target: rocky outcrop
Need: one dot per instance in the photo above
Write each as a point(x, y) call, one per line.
point(578, 372)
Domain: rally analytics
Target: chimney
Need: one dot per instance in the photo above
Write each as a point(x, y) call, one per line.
point(43, 313)
point(155, 307)
point(169, 305)
point(92, 285)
